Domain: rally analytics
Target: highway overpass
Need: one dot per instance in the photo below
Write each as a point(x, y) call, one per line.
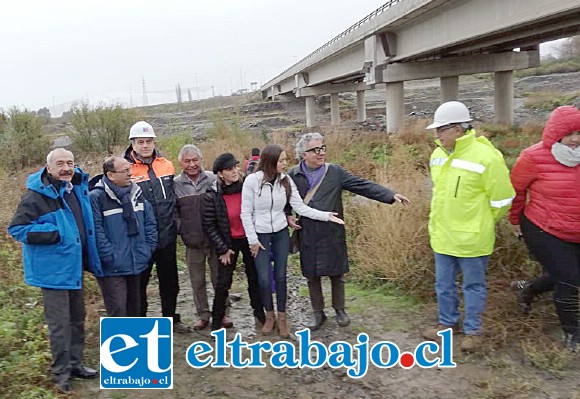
point(420, 39)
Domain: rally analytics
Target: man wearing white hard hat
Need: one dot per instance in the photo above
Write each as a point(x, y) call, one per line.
point(471, 192)
point(154, 174)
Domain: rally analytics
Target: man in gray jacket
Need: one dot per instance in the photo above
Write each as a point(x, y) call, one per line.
point(323, 245)
point(190, 187)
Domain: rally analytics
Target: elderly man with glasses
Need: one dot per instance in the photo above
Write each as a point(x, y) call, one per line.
point(126, 234)
point(323, 245)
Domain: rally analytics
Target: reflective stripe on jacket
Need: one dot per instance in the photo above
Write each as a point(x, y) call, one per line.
point(121, 254)
point(471, 192)
point(156, 181)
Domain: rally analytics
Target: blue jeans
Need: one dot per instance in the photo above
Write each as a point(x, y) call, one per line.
point(474, 290)
point(277, 243)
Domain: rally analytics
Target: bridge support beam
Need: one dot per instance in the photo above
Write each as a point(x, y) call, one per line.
point(334, 109)
point(504, 97)
point(310, 111)
point(395, 106)
point(361, 109)
point(449, 88)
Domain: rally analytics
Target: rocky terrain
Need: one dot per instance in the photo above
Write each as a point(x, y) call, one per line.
point(421, 100)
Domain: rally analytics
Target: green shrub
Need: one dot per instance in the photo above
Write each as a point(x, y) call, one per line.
point(22, 139)
point(100, 129)
point(169, 146)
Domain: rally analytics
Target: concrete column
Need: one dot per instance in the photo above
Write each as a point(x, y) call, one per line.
point(449, 88)
point(273, 93)
point(334, 109)
point(361, 109)
point(310, 111)
point(504, 97)
point(395, 107)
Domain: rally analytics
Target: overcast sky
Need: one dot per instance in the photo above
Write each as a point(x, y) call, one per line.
point(55, 52)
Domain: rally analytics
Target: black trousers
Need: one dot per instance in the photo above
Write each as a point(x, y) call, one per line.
point(165, 260)
point(225, 276)
point(316, 296)
point(561, 259)
point(64, 311)
point(121, 295)
point(541, 284)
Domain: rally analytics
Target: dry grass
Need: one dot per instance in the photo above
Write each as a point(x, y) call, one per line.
point(387, 244)
point(545, 355)
point(13, 186)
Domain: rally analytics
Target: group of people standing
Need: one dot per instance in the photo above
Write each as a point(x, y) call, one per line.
point(124, 221)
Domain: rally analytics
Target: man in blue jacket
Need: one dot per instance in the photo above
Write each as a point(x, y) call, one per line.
point(54, 221)
point(126, 233)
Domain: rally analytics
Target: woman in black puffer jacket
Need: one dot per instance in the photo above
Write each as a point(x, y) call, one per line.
point(222, 224)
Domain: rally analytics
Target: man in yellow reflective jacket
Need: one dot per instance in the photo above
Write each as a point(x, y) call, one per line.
point(471, 192)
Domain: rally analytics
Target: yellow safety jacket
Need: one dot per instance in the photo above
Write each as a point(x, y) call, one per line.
point(471, 192)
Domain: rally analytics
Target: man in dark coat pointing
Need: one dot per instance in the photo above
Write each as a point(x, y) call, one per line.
point(323, 245)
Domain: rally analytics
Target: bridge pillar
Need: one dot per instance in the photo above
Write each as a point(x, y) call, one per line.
point(361, 109)
point(395, 106)
point(449, 88)
point(310, 111)
point(504, 97)
point(334, 109)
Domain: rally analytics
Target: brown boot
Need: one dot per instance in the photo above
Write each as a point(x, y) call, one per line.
point(269, 324)
point(282, 325)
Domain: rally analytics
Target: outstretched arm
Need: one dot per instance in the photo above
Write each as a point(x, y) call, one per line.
point(368, 189)
point(304, 210)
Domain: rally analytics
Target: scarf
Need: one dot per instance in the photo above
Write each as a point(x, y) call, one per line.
point(124, 195)
point(565, 155)
point(233, 188)
point(312, 175)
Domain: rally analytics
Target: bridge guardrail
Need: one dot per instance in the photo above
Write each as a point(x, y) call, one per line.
point(350, 29)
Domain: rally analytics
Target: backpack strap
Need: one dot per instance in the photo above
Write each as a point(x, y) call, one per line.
point(313, 190)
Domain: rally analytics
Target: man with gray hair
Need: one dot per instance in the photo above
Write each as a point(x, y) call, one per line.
point(323, 245)
point(54, 222)
point(190, 187)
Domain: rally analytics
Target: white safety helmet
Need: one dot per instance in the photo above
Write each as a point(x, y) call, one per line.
point(141, 129)
point(450, 112)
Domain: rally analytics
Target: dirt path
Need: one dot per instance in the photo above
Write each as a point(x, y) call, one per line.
point(383, 316)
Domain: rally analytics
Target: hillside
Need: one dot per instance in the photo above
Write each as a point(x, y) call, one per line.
point(421, 100)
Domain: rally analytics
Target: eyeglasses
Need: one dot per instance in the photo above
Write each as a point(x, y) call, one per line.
point(317, 150)
point(125, 171)
point(444, 128)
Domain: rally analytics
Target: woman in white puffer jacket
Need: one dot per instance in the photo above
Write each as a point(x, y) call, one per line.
point(264, 197)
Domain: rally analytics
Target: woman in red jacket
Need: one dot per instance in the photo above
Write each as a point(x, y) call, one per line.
point(548, 173)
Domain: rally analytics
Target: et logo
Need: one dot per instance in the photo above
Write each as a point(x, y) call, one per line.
point(136, 353)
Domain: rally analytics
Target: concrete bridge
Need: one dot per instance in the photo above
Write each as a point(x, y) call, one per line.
point(421, 39)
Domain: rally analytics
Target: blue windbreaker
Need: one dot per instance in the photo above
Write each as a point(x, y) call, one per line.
point(45, 224)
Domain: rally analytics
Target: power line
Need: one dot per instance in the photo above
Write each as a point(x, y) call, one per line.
point(145, 102)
